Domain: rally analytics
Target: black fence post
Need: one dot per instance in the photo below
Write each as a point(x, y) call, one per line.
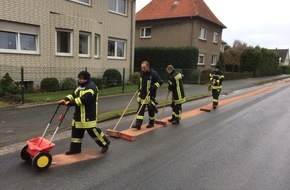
point(123, 89)
point(22, 85)
point(86, 69)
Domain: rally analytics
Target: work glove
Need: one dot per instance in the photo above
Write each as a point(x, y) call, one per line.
point(209, 88)
point(62, 102)
point(153, 88)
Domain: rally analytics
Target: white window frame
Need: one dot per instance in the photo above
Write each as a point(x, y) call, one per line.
point(88, 45)
point(202, 33)
point(215, 37)
point(143, 31)
point(199, 59)
point(116, 50)
point(97, 46)
point(117, 7)
point(81, 2)
point(18, 44)
point(214, 59)
point(71, 43)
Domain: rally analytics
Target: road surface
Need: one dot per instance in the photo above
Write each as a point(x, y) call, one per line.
point(244, 144)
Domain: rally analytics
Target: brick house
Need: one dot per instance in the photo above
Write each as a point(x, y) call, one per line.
point(283, 56)
point(177, 23)
point(58, 38)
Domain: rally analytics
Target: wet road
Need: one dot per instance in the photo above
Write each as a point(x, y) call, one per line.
point(241, 145)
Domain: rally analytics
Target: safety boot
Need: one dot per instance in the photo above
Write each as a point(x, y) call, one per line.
point(151, 124)
point(172, 119)
point(176, 121)
point(138, 124)
point(75, 148)
point(106, 147)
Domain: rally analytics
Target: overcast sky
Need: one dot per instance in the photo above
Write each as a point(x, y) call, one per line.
point(255, 22)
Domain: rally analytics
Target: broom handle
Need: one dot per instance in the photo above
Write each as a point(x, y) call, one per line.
point(125, 110)
point(138, 111)
point(165, 104)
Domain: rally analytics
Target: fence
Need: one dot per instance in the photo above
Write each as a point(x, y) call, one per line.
point(32, 76)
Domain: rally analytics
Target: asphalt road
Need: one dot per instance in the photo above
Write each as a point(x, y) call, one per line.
point(26, 122)
point(242, 145)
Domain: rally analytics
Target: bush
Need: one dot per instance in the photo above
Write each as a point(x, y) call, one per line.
point(134, 78)
point(7, 84)
point(98, 82)
point(2, 92)
point(49, 84)
point(112, 77)
point(69, 84)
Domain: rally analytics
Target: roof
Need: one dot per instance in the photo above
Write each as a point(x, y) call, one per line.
point(166, 9)
point(282, 53)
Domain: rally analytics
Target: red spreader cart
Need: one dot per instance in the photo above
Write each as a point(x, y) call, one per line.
point(37, 149)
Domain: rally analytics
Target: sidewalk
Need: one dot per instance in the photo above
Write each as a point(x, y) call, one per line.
point(19, 124)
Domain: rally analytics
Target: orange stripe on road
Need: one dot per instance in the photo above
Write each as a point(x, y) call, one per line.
point(62, 159)
point(195, 112)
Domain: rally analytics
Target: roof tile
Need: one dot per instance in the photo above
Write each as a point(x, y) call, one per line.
point(166, 9)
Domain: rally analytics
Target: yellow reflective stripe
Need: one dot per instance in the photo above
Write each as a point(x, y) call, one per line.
point(215, 100)
point(100, 137)
point(70, 97)
point(78, 101)
point(76, 140)
point(148, 85)
point(152, 118)
point(170, 82)
point(97, 107)
point(89, 91)
point(216, 87)
point(82, 108)
point(88, 124)
point(140, 117)
point(180, 101)
point(157, 84)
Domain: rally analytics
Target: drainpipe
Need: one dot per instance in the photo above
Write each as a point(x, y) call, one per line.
point(191, 32)
point(132, 37)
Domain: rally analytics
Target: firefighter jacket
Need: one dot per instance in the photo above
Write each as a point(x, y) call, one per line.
point(149, 82)
point(216, 79)
point(85, 100)
point(175, 84)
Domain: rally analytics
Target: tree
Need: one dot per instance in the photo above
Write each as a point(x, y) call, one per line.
point(232, 55)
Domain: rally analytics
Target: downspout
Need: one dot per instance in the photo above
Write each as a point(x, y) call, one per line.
point(191, 32)
point(132, 36)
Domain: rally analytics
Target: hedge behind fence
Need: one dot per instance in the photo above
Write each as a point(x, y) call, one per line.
point(159, 57)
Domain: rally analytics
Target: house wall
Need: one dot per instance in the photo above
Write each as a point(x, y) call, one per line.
point(50, 15)
point(180, 33)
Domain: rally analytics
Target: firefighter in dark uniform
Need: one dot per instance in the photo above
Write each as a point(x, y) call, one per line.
point(85, 101)
point(175, 85)
point(216, 79)
point(150, 81)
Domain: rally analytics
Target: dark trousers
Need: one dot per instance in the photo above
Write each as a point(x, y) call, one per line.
point(151, 113)
point(215, 96)
point(77, 135)
point(176, 109)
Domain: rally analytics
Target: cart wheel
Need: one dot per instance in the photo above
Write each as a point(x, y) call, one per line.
point(24, 154)
point(41, 161)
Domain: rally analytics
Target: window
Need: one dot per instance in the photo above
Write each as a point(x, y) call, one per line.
point(64, 42)
point(85, 2)
point(15, 42)
point(84, 44)
point(214, 59)
point(97, 45)
point(201, 59)
point(116, 48)
point(145, 32)
point(202, 34)
point(215, 37)
point(118, 6)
